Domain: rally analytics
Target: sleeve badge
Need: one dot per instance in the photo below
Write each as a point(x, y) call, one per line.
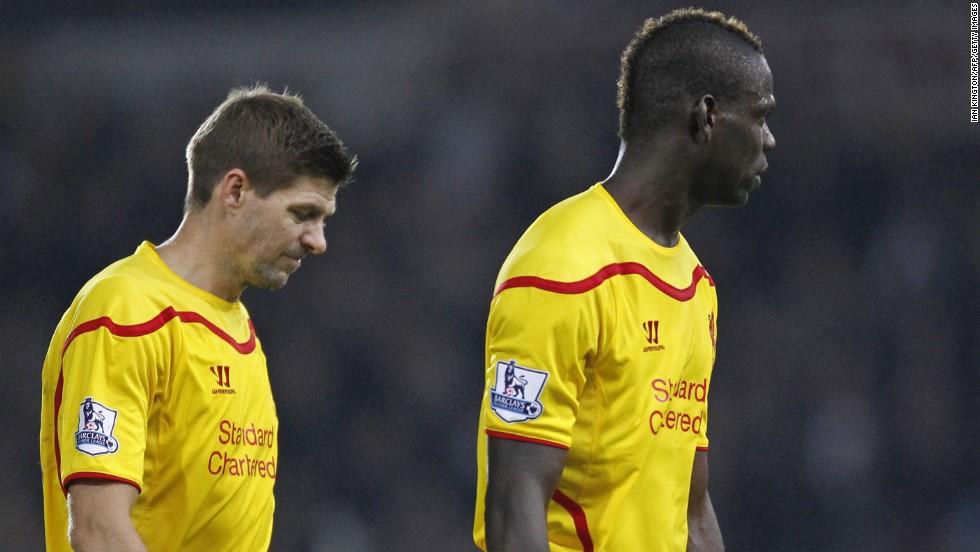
point(95, 425)
point(514, 395)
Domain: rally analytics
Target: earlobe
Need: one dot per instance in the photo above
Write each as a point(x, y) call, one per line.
point(703, 119)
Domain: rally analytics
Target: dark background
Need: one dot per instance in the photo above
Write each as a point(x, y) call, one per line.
point(844, 401)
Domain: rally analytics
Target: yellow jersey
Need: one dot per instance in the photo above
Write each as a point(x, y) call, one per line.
point(153, 382)
point(602, 342)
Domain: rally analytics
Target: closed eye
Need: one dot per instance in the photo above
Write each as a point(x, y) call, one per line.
point(305, 215)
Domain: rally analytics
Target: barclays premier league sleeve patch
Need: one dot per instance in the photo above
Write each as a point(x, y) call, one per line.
point(95, 424)
point(514, 395)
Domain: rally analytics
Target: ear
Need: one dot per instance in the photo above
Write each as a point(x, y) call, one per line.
point(703, 118)
point(233, 188)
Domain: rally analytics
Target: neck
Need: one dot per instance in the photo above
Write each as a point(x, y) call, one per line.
point(193, 254)
point(651, 185)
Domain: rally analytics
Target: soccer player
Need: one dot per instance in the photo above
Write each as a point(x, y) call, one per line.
point(602, 327)
point(158, 427)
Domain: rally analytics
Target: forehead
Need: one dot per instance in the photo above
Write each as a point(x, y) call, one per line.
point(758, 84)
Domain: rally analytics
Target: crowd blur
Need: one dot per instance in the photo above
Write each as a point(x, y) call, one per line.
point(844, 409)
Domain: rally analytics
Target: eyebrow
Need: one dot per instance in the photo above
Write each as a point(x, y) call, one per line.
point(314, 209)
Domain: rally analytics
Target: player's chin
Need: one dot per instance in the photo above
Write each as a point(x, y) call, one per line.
point(749, 185)
point(736, 198)
point(271, 279)
point(743, 195)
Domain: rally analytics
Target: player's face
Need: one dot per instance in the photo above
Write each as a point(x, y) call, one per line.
point(282, 228)
point(738, 144)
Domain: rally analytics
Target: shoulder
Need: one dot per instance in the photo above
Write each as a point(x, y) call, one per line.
point(569, 219)
point(564, 241)
point(126, 291)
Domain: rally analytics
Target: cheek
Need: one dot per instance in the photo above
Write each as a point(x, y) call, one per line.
point(264, 237)
point(751, 144)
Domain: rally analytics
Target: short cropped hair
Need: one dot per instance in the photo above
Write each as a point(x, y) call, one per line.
point(273, 137)
point(684, 54)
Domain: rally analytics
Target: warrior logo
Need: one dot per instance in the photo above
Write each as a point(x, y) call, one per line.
point(95, 425)
point(514, 396)
point(223, 377)
point(652, 328)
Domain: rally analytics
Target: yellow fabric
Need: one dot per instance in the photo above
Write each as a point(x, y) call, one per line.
point(624, 332)
point(180, 387)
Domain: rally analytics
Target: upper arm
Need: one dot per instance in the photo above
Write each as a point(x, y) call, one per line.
point(529, 469)
point(699, 481)
point(521, 479)
point(98, 515)
point(704, 534)
point(537, 346)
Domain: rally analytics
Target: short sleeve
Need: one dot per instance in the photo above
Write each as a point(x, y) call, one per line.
point(110, 366)
point(702, 439)
point(538, 345)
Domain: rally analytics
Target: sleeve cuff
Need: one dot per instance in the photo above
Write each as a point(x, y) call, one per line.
point(513, 437)
point(78, 476)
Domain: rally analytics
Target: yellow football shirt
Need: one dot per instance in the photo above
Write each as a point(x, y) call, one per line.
point(601, 342)
point(153, 382)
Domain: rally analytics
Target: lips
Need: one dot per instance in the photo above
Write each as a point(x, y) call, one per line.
point(757, 181)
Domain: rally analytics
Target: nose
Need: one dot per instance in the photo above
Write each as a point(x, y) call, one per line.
point(768, 140)
point(314, 240)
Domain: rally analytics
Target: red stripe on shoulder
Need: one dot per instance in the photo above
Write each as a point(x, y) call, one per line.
point(96, 475)
point(578, 517)
point(157, 322)
point(605, 273)
point(513, 437)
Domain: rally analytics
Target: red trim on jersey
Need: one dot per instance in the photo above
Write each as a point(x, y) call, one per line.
point(58, 391)
point(512, 437)
point(702, 448)
point(136, 330)
point(157, 322)
point(578, 517)
point(604, 273)
point(97, 475)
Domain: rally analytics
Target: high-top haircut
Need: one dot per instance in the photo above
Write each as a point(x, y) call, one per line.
point(683, 55)
point(273, 137)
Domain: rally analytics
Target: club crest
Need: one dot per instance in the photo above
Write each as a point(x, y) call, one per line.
point(95, 425)
point(514, 396)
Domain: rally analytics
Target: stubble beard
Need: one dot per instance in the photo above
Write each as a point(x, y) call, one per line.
point(267, 276)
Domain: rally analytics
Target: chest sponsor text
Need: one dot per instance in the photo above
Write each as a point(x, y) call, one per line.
point(243, 451)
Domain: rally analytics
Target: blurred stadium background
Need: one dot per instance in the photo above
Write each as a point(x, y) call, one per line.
point(844, 405)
